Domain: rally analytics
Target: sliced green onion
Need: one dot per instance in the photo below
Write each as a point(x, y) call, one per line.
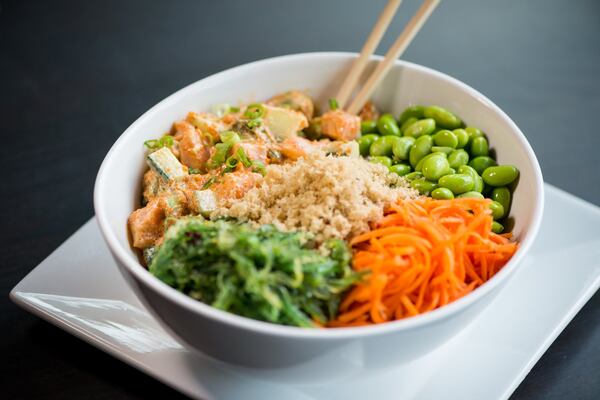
point(194, 171)
point(234, 109)
point(254, 111)
point(253, 123)
point(259, 167)
point(221, 150)
point(333, 104)
point(209, 182)
point(207, 138)
point(166, 141)
point(231, 164)
point(243, 158)
point(230, 137)
point(152, 144)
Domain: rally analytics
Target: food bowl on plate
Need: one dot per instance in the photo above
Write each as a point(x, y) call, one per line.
point(251, 343)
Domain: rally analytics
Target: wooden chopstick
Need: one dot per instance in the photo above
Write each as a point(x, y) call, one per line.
point(407, 35)
point(368, 48)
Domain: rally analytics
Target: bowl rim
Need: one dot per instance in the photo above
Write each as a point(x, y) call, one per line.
point(133, 266)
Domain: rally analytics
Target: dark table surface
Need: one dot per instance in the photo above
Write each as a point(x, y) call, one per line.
point(75, 74)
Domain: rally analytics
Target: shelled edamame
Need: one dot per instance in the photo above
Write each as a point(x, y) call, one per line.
point(440, 157)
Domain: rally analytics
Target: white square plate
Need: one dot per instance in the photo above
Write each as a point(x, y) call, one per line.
point(80, 289)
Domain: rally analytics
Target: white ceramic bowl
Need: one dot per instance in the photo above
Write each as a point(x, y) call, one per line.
point(246, 342)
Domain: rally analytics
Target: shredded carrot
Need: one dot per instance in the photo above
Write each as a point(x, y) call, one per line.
point(422, 255)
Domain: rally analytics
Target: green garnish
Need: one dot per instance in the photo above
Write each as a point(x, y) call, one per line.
point(253, 123)
point(243, 158)
point(254, 111)
point(221, 151)
point(154, 144)
point(194, 171)
point(209, 182)
point(229, 137)
point(259, 167)
point(333, 104)
point(231, 163)
point(263, 273)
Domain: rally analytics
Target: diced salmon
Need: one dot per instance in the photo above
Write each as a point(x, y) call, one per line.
point(340, 125)
point(192, 151)
point(295, 100)
point(235, 184)
point(296, 147)
point(146, 224)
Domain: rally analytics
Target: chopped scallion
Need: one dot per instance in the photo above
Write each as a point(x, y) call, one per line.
point(333, 104)
point(209, 182)
point(253, 123)
point(259, 167)
point(243, 158)
point(230, 137)
point(254, 111)
point(221, 151)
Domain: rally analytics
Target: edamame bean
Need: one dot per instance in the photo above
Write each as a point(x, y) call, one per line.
point(462, 136)
point(457, 158)
point(473, 132)
point(442, 117)
point(480, 163)
point(383, 146)
point(387, 125)
point(400, 169)
point(442, 193)
point(442, 149)
point(477, 181)
point(497, 210)
point(407, 123)
point(457, 183)
point(411, 112)
point(502, 196)
point(413, 175)
point(420, 149)
point(383, 160)
point(434, 167)
point(470, 195)
point(401, 147)
point(368, 126)
point(445, 138)
point(419, 165)
point(365, 142)
point(420, 128)
point(479, 147)
point(497, 227)
point(500, 175)
point(478, 184)
point(437, 153)
point(423, 185)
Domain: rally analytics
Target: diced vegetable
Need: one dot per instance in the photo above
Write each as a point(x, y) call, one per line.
point(206, 201)
point(282, 122)
point(166, 164)
point(294, 100)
